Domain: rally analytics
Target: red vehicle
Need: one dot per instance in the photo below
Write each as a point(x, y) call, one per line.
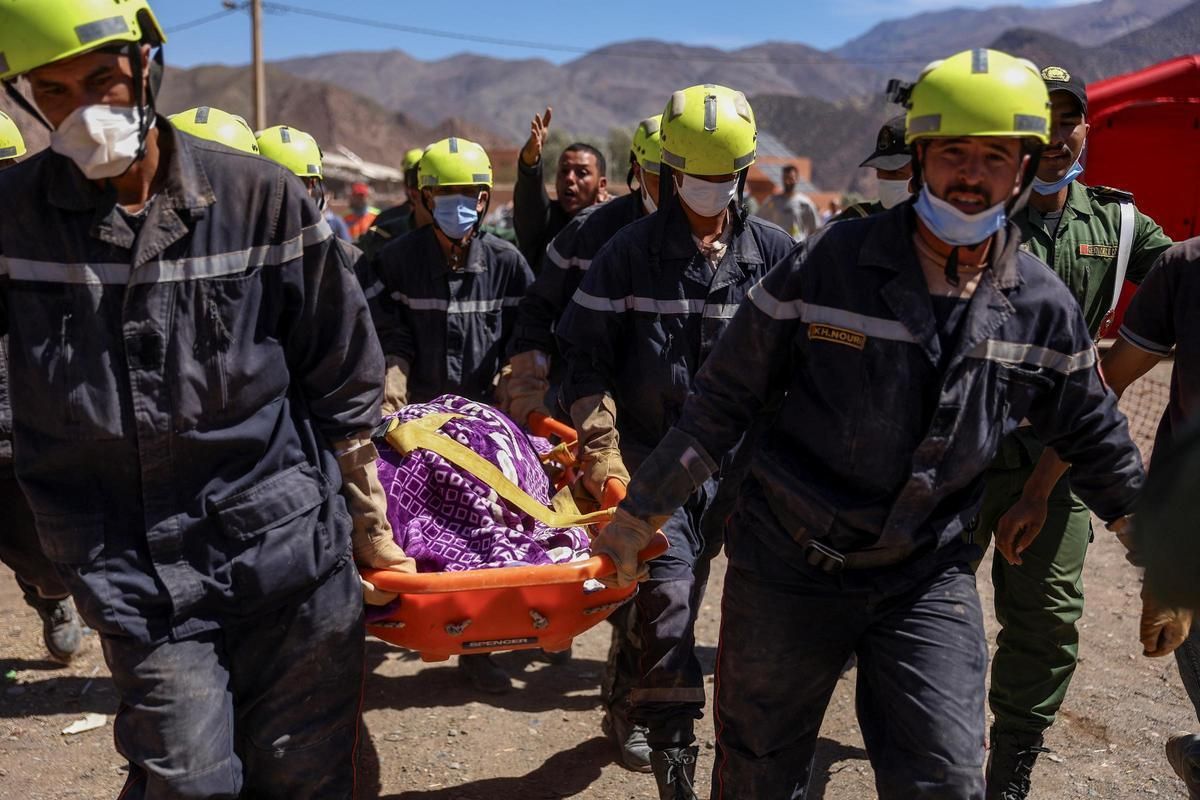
point(1145, 139)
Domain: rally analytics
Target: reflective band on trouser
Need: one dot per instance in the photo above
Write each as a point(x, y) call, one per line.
point(1017, 353)
point(876, 327)
point(422, 434)
point(169, 271)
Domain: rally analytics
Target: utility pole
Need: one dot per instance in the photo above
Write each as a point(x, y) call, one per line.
point(260, 75)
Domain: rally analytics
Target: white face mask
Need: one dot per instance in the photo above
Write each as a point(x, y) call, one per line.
point(893, 193)
point(706, 199)
point(102, 140)
point(648, 201)
point(957, 227)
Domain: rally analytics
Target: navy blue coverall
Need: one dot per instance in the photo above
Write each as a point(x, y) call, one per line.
point(568, 257)
point(647, 315)
point(178, 377)
point(847, 534)
point(450, 325)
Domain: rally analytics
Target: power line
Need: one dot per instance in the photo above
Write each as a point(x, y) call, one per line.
point(726, 58)
point(202, 20)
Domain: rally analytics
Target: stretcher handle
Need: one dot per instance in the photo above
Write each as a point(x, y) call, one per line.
point(600, 566)
point(541, 425)
point(614, 493)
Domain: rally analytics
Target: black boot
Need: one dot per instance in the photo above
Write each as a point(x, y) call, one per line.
point(61, 630)
point(1010, 764)
point(629, 737)
point(1183, 754)
point(675, 771)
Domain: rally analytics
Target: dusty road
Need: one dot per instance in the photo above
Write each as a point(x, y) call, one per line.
point(432, 738)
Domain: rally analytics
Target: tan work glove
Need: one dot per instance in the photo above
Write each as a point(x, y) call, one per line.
point(523, 386)
point(1162, 629)
point(395, 385)
point(595, 419)
point(622, 540)
point(366, 501)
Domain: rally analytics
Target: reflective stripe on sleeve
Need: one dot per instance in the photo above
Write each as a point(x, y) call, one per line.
point(1034, 355)
point(559, 261)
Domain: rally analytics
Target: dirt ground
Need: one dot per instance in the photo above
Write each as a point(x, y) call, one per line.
point(433, 738)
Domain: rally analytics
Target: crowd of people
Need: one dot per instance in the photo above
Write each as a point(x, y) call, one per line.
point(851, 406)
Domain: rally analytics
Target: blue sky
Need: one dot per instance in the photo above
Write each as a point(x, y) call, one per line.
point(572, 24)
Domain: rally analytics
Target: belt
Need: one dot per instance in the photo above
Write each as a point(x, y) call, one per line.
point(831, 562)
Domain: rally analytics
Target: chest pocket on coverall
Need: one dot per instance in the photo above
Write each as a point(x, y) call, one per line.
point(229, 369)
point(73, 342)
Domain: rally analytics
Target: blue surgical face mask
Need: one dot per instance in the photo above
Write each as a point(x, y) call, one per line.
point(1042, 187)
point(953, 226)
point(455, 214)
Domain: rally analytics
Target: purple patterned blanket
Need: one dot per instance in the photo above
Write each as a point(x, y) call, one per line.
point(449, 520)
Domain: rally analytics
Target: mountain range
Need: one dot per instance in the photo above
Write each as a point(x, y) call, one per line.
point(921, 38)
point(823, 104)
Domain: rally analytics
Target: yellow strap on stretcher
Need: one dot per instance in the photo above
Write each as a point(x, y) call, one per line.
point(422, 434)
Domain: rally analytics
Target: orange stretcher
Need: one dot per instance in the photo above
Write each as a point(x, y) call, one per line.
point(442, 614)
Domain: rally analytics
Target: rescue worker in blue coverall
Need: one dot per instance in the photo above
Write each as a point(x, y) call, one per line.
point(535, 366)
point(901, 347)
point(20, 551)
point(194, 380)
point(448, 304)
point(650, 309)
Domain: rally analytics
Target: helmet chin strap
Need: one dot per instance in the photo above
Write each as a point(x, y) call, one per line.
point(25, 104)
point(147, 78)
point(951, 271)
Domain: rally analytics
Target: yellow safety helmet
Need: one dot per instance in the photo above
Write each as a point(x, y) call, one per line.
point(217, 126)
point(979, 92)
point(708, 130)
point(647, 144)
point(12, 144)
point(454, 162)
point(412, 158)
point(38, 32)
point(294, 149)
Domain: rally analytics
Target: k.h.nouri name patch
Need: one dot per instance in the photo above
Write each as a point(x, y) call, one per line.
point(827, 333)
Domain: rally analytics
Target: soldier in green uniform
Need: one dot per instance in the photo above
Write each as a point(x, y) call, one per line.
point(892, 162)
point(1093, 238)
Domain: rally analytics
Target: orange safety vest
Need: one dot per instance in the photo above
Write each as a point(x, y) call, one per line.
point(360, 223)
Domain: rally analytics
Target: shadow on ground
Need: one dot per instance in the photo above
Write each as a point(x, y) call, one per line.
point(53, 692)
point(574, 686)
point(832, 757)
point(565, 774)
